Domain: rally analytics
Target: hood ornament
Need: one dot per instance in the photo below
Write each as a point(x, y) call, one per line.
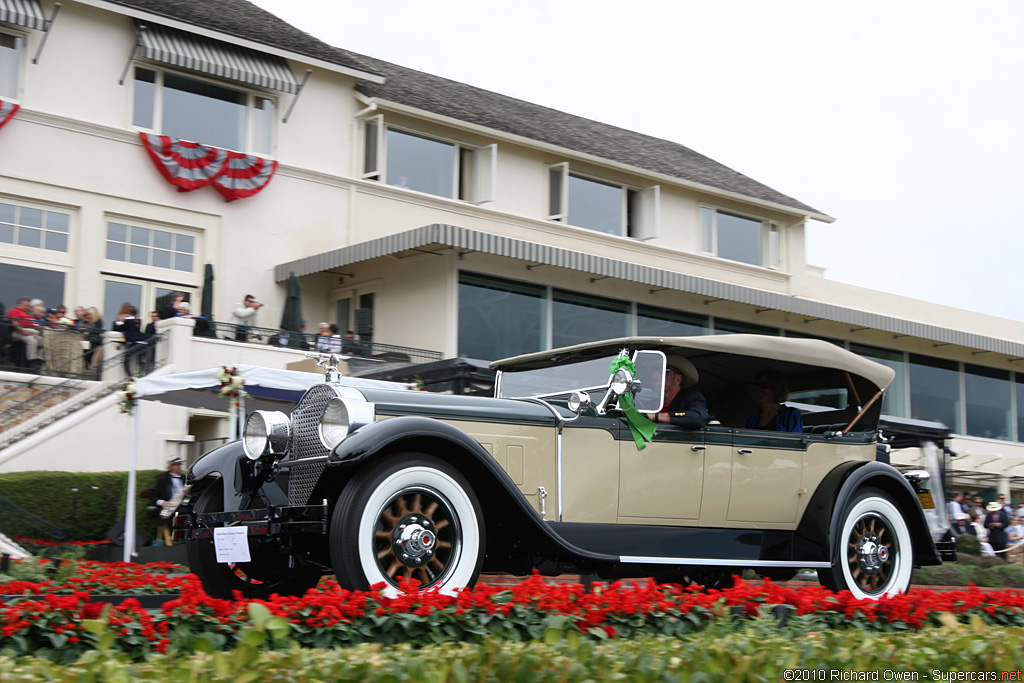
point(330, 364)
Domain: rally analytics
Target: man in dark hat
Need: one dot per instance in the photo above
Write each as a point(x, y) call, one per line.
point(683, 406)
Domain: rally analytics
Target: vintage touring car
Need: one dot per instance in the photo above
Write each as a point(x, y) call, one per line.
point(377, 485)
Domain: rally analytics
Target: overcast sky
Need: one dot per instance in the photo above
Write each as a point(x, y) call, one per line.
point(902, 119)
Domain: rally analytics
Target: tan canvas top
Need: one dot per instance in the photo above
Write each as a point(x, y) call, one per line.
point(812, 352)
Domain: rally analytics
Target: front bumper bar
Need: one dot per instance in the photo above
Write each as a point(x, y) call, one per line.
point(947, 550)
point(270, 521)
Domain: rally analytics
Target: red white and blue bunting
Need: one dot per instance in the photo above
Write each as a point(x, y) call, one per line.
point(192, 165)
point(7, 111)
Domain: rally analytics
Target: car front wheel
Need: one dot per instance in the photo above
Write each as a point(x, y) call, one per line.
point(409, 516)
point(873, 557)
point(266, 574)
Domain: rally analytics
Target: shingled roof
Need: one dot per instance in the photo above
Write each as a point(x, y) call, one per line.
point(470, 104)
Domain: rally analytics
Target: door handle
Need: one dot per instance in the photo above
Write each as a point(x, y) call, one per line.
point(698, 448)
point(744, 451)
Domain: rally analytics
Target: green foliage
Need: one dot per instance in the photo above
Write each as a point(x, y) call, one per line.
point(85, 515)
point(968, 544)
point(752, 653)
point(37, 570)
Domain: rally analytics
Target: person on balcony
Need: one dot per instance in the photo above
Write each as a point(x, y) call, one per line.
point(26, 334)
point(243, 316)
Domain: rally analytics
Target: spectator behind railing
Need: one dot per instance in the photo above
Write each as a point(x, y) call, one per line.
point(26, 339)
point(92, 333)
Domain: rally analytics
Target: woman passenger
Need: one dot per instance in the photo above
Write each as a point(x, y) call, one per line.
point(769, 391)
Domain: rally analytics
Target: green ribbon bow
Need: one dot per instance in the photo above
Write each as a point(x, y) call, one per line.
point(640, 427)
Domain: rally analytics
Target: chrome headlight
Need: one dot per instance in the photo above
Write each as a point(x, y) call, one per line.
point(622, 380)
point(266, 432)
point(340, 418)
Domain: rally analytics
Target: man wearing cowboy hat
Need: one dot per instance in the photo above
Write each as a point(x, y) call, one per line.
point(996, 521)
point(683, 406)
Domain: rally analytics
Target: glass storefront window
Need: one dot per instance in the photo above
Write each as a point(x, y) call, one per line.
point(663, 322)
point(987, 394)
point(935, 391)
point(500, 318)
point(578, 318)
point(895, 400)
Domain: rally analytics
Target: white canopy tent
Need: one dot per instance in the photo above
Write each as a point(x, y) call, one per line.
point(267, 390)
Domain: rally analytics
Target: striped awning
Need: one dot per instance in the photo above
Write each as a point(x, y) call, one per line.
point(205, 55)
point(27, 13)
point(428, 236)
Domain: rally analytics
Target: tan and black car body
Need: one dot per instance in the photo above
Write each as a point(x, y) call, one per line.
point(377, 485)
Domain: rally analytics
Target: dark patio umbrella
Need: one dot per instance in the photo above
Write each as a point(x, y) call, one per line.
point(291, 318)
point(206, 306)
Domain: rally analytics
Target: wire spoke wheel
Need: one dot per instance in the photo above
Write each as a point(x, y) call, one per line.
point(870, 553)
point(416, 537)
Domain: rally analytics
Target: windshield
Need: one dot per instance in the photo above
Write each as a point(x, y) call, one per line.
point(558, 379)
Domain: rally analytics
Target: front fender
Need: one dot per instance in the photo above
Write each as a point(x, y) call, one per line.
point(450, 443)
point(823, 517)
point(239, 476)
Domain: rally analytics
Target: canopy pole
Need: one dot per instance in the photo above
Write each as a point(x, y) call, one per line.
point(129, 507)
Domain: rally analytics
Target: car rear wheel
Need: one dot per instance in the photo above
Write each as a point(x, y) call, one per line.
point(873, 555)
point(409, 516)
point(266, 574)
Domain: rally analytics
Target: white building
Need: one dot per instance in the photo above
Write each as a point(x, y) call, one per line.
point(452, 218)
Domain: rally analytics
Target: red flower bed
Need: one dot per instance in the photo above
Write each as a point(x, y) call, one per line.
point(117, 578)
point(63, 626)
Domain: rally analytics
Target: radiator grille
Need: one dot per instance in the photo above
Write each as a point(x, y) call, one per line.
point(306, 443)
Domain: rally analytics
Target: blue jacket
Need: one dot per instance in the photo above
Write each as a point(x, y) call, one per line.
point(789, 419)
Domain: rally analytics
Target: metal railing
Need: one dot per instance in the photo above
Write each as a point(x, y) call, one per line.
point(52, 401)
point(304, 341)
point(41, 526)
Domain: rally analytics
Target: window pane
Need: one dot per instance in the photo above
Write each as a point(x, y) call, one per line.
point(988, 402)
point(162, 239)
point(30, 237)
point(263, 125)
point(577, 318)
point(555, 199)
point(935, 391)
point(1019, 388)
point(161, 258)
point(203, 112)
point(116, 293)
point(7, 213)
point(894, 401)
point(663, 322)
point(420, 164)
point(144, 98)
point(595, 205)
point(183, 262)
point(499, 318)
point(707, 230)
point(723, 326)
point(31, 217)
point(56, 241)
point(370, 147)
point(6, 234)
point(20, 281)
point(117, 231)
point(116, 251)
point(10, 65)
point(185, 243)
point(57, 221)
point(140, 236)
point(739, 239)
point(139, 255)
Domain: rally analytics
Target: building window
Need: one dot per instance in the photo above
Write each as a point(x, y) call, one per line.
point(739, 238)
point(35, 283)
point(578, 318)
point(600, 205)
point(724, 326)
point(500, 318)
point(894, 401)
point(151, 247)
point(10, 64)
point(987, 400)
point(417, 162)
point(935, 391)
point(202, 111)
point(31, 227)
point(665, 322)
